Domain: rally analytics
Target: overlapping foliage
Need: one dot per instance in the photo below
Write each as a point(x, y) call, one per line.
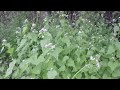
point(59, 51)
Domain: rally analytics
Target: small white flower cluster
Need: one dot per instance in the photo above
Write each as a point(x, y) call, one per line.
point(50, 45)
point(33, 26)
point(26, 21)
point(91, 58)
point(38, 12)
point(18, 29)
point(97, 63)
point(97, 60)
point(17, 32)
point(45, 19)
point(43, 30)
point(79, 32)
point(4, 40)
point(65, 34)
point(57, 26)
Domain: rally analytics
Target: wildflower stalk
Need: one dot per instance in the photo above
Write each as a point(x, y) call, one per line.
point(79, 71)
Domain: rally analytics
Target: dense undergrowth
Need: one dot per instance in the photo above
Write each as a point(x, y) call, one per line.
point(56, 50)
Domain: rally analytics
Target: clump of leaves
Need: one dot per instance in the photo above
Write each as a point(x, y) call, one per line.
point(58, 51)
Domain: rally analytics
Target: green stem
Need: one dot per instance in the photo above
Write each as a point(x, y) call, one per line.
point(79, 71)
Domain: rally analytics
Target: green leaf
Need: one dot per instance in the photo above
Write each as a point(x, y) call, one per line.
point(36, 70)
point(41, 58)
point(24, 65)
point(9, 70)
point(62, 68)
point(52, 74)
point(25, 29)
point(71, 63)
point(67, 41)
point(8, 45)
point(113, 65)
point(43, 43)
point(93, 77)
point(56, 52)
point(22, 43)
point(110, 49)
point(32, 36)
point(116, 28)
point(34, 60)
point(116, 73)
point(10, 50)
point(117, 44)
point(89, 53)
point(65, 58)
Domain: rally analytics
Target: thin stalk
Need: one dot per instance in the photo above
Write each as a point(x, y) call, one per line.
point(79, 71)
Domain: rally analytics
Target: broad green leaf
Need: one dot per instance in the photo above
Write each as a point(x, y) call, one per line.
point(65, 58)
point(117, 44)
point(67, 41)
point(36, 70)
point(110, 49)
point(22, 43)
point(52, 74)
point(8, 45)
point(24, 65)
point(41, 58)
point(10, 50)
point(11, 66)
point(62, 68)
point(48, 36)
point(118, 53)
point(34, 60)
point(25, 29)
point(71, 63)
point(43, 44)
point(116, 28)
point(104, 76)
point(62, 21)
point(89, 53)
point(113, 65)
point(56, 52)
point(32, 36)
point(116, 73)
point(93, 77)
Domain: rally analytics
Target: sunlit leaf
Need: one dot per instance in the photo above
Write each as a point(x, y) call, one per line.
point(110, 49)
point(52, 74)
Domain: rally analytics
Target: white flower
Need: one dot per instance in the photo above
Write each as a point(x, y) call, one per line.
point(33, 50)
point(33, 25)
point(45, 19)
point(43, 36)
point(79, 32)
point(97, 63)
point(4, 40)
point(38, 12)
point(25, 21)
point(16, 32)
point(43, 30)
point(113, 20)
point(50, 45)
point(57, 26)
point(65, 34)
point(91, 58)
